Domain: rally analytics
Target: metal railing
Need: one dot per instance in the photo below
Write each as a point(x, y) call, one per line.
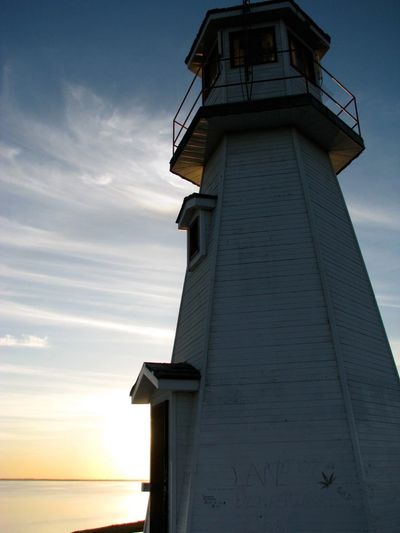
point(327, 88)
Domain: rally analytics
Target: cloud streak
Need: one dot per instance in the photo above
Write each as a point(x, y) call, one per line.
point(374, 216)
point(26, 341)
point(99, 156)
point(86, 225)
point(15, 234)
point(38, 315)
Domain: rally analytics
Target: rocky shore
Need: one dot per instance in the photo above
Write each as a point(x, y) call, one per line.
point(132, 527)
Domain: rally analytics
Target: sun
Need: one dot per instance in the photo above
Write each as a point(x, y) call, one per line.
point(126, 437)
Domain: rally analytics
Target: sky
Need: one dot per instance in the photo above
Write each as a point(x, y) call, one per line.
point(92, 263)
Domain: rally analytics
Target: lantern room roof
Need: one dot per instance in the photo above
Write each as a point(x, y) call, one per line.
point(266, 11)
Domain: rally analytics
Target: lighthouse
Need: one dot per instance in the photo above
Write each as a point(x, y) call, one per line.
point(279, 411)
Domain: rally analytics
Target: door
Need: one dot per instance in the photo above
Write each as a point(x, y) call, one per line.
point(159, 468)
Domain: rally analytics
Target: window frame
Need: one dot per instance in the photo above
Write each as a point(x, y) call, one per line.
point(238, 60)
point(211, 70)
point(302, 57)
point(197, 206)
point(194, 237)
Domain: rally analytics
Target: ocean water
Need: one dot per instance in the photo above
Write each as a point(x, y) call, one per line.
point(65, 506)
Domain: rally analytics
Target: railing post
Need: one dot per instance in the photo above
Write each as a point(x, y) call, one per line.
point(356, 110)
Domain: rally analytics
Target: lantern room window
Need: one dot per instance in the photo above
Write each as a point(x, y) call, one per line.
point(301, 58)
point(253, 47)
point(210, 71)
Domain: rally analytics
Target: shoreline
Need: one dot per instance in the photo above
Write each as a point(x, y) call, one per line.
point(131, 527)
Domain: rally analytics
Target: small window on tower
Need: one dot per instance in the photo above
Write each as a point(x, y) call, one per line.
point(301, 58)
point(253, 47)
point(194, 238)
point(195, 217)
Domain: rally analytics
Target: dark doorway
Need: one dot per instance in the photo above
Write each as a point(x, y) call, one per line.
point(159, 469)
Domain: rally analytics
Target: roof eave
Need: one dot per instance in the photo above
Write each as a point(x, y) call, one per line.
point(148, 383)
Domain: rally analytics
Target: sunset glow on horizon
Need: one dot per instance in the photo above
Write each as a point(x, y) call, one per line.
point(113, 439)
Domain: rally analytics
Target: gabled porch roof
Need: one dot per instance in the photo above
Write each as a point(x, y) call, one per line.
point(176, 377)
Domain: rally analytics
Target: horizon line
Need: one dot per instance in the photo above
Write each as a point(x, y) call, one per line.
point(68, 479)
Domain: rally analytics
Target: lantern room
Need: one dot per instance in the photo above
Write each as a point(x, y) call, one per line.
point(259, 52)
point(258, 66)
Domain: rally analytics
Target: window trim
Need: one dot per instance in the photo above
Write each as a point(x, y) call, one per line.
point(234, 60)
point(197, 206)
point(305, 54)
point(194, 237)
point(193, 258)
point(208, 76)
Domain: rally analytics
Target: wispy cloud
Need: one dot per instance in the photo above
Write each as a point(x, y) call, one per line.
point(13, 233)
point(39, 315)
point(375, 216)
point(26, 341)
point(96, 280)
point(384, 302)
point(395, 345)
point(7, 151)
point(41, 399)
point(87, 228)
point(88, 378)
point(387, 296)
point(98, 156)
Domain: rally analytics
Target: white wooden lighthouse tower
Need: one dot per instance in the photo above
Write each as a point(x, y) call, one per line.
point(279, 412)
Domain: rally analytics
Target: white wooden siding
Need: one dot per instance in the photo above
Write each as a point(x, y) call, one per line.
point(273, 415)
point(272, 397)
point(371, 375)
point(191, 327)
